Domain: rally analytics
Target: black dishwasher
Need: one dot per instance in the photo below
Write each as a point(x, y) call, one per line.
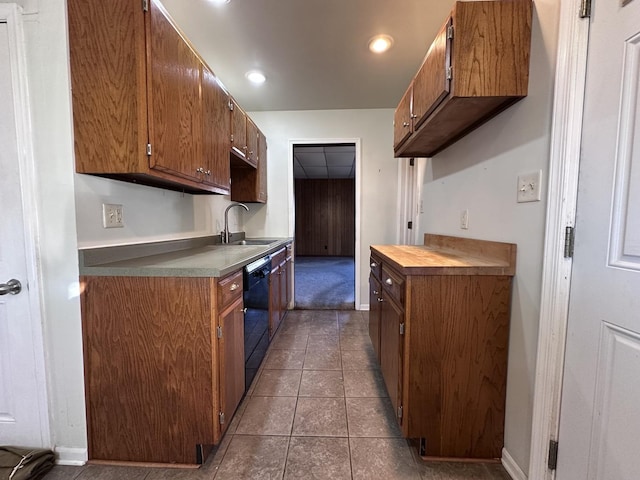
point(256, 317)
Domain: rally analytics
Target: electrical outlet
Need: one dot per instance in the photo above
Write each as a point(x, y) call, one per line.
point(529, 187)
point(112, 215)
point(464, 219)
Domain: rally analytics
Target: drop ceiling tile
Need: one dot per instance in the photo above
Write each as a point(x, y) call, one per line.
point(340, 159)
point(340, 148)
point(313, 172)
point(308, 149)
point(311, 159)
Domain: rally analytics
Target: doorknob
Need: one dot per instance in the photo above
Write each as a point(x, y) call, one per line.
point(12, 287)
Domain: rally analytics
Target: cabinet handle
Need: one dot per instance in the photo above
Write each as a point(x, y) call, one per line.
point(243, 310)
point(200, 170)
point(208, 172)
point(375, 292)
point(374, 264)
point(233, 287)
point(405, 124)
point(388, 281)
point(380, 299)
point(413, 115)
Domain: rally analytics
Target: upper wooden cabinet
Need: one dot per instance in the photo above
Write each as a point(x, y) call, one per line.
point(250, 184)
point(138, 108)
point(238, 133)
point(477, 66)
point(215, 137)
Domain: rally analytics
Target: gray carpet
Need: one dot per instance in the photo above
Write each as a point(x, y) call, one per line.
point(325, 283)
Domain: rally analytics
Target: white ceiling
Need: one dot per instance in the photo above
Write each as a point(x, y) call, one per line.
point(324, 161)
point(313, 52)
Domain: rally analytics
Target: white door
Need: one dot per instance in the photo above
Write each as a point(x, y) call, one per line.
point(23, 415)
point(600, 411)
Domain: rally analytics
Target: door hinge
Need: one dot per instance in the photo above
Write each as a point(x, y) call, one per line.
point(221, 418)
point(412, 162)
point(553, 455)
point(231, 105)
point(232, 137)
point(450, 32)
point(219, 331)
point(148, 149)
point(402, 329)
point(449, 73)
point(585, 8)
point(569, 240)
point(400, 411)
point(410, 225)
point(145, 5)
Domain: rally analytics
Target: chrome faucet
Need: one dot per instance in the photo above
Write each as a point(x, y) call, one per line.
point(225, 235)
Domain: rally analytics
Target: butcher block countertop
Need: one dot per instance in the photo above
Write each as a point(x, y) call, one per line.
point(445, 255)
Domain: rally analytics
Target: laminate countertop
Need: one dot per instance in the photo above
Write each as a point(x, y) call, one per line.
point(450, 256)
point(198, 257)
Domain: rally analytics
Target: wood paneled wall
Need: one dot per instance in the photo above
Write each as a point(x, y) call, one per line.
point(325, 217)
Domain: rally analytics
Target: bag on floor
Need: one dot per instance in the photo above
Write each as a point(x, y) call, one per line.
point(18, 463)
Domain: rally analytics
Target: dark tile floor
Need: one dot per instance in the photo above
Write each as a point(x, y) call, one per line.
point(316, 410)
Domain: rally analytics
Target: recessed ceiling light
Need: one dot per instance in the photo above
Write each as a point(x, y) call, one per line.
point(255, 76)
point(219, 2)
point(380, 43)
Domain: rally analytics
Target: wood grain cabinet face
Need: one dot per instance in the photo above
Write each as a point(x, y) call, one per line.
point(216, 127)
point(402, 124)
point(443, 344)
point(250, 184)
point(238, 130)
point(164, 365)
point(477, 66)
point(138, 112)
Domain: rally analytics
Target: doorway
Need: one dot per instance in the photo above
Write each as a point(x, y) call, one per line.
point(325, 225)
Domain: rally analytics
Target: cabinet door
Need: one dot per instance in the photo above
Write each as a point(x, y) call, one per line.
point(238, 130)
point(262, 168)
point(216, 131)
point(432, 83)
point(391, 350)
point(284, 281)
point(374, 314)
point(402, 119)
point(231, 358)
point(289, 276)
point(252, 142)
point(274, 300)
point(175, 110)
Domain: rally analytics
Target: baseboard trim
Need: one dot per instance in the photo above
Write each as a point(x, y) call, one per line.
point(71, 456)
point(512, 467)
point(364, 306)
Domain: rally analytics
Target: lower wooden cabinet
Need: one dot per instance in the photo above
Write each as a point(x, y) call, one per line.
point(440, 322)
point(280, 292)
point(163, 363)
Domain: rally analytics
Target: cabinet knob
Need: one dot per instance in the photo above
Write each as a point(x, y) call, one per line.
point(388, 281)
point(405, 124)
point(208, 172)
point(380, 299)
point(243, 310)
point(375, 292)
point(374, 264)
point(200, 170)
point(234, 287)
point(414, 116)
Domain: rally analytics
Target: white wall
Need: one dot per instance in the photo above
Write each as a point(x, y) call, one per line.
point(479, 173)
point(378, 175)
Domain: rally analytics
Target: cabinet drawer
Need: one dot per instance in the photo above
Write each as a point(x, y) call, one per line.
point(393, 284)
point(278, 258)
point(376, 266)
point(229, 288)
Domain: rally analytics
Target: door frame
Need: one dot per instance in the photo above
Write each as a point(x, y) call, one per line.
point(11, 13)
point(564, 163)
point(358, 181)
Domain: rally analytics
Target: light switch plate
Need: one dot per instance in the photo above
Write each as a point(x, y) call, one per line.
point(529, 187)
point(464, 219)
point(112, 215)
